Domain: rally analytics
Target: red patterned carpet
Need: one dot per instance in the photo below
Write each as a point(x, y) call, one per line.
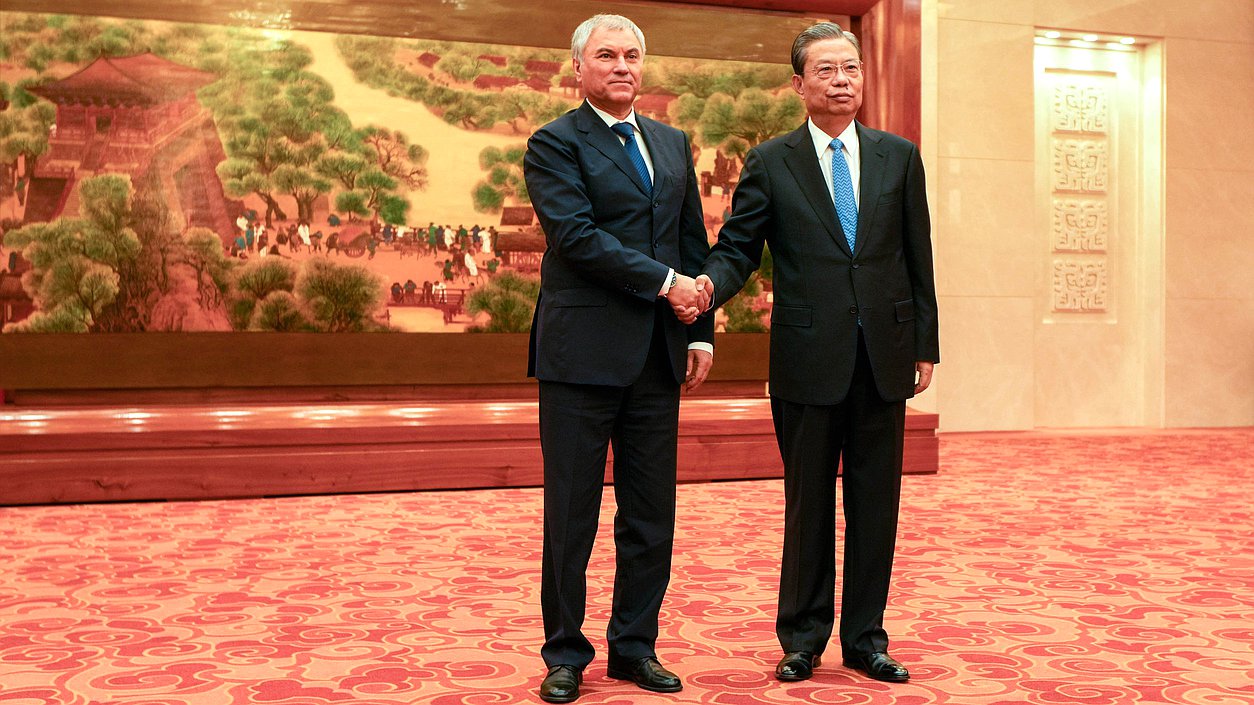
point(1050, 569)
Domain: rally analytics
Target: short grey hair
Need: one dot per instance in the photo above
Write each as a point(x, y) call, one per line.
point(579, 39)
point(817, 33)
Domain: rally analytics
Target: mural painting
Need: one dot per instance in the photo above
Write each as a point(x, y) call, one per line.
point(174, 177)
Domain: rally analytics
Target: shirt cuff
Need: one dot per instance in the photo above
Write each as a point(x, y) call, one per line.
point(708, 347)
point(666, 284)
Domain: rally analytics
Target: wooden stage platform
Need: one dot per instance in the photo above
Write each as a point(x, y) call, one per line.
point(185, 451)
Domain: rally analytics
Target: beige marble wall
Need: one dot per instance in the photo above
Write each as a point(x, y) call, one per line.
point(978, 133)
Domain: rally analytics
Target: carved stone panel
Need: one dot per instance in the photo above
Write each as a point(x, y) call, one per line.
point(1080, 108)
point(1080, 286)
point(1080, 144)
point(1081, 165)
point(1080, 225)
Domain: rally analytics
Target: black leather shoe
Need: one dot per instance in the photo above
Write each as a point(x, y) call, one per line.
point(646, 673)
point(880, 666)
point(797, 666)
point(561, 685)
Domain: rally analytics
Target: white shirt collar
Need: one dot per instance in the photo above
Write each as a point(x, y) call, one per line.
point(822, 146)
point(848, 137)
point(610, 120)
point(641, 144)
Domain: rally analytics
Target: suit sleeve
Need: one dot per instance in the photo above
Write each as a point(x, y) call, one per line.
point(694, 247)
point(918, 254)
point(555, 184)
point(738, 252)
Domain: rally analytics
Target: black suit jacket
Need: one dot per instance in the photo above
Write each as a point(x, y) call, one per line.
point(821, 289)
point(610, 244)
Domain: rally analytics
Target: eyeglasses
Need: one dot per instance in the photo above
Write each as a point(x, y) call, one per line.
point(825, 72)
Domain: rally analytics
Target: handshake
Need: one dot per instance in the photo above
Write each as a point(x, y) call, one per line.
point(690, 297)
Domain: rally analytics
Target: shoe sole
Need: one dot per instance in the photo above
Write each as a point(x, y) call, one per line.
point(860, 669)
point(624, 676)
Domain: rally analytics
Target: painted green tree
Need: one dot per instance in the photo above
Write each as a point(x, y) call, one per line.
point(252, 285)
point(261, 131)
point(509, 300)
point(24, 129)
point(374, 168)
point(280, 312)
point(107, 270)
point(504, 181)
point(276, 294)
point(341, 298)
point(210, 266)
point(703, 79)
point(281, 131)
point(734, 125)
point(395, 156)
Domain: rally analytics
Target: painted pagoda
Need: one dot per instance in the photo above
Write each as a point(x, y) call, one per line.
point(134, 115)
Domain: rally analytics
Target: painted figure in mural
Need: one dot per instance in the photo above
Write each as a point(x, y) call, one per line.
point(853, 335)
point(618, 199)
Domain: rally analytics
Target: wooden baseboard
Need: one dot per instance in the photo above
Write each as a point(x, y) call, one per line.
point(184, 452)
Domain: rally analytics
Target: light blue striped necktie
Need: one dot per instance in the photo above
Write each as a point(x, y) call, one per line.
point(842, 191)
point(633, 152)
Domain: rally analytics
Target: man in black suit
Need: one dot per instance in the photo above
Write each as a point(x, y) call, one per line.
point(853, 335)
point(617, 196)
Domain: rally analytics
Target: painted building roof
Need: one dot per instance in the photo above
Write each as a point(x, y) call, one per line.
point(143, 79)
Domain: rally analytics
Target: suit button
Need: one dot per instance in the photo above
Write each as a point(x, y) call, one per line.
point(856, 266)
point(853, 310)
point(657, 204)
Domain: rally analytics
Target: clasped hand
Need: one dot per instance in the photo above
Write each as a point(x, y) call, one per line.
point(690, 297)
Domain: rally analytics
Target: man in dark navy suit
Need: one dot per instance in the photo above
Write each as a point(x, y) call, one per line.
point(617, 196)
point(853, 335)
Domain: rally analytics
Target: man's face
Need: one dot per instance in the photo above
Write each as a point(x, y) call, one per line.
point(609, 72)
point(838, 95)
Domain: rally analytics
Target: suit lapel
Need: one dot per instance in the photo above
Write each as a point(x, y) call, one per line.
point(871, 182)
point(657, 154)
point(602, 138)
point(805, 169)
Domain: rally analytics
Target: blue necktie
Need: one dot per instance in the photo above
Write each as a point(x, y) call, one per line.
point(633, 152)
point(842, 190)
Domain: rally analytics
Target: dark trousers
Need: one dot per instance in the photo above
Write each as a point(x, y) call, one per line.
point(865, 433)
point(578, 422)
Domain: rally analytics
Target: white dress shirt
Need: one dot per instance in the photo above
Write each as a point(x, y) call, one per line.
point(850, 149)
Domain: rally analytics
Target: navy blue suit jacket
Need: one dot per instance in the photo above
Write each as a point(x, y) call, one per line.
point(610, 243)
point(821, 289)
